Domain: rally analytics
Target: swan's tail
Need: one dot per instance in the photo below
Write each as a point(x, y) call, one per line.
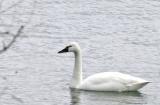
point(144, 83)
point(137, 86)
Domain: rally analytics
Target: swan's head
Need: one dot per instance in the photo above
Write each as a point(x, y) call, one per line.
point(72, 47)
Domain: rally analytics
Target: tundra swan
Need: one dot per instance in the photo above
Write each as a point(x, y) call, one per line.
point(105, 81)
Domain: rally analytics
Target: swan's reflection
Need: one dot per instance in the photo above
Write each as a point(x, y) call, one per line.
point(112, 98)
point(92, 97)
point(75, 96)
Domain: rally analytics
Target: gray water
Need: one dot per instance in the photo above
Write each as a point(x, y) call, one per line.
point(115, 35)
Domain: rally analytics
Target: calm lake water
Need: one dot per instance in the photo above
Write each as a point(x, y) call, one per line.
point(115, 35)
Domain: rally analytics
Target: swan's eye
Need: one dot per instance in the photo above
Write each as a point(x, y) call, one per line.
point(69, 46)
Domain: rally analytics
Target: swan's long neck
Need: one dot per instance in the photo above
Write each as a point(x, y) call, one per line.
point(77, 73)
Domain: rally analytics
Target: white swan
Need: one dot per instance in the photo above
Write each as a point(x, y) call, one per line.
point(105, 81)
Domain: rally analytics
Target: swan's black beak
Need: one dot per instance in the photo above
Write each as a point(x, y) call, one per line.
point(64, 50)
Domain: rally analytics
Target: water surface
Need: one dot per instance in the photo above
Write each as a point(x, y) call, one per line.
point(114, 35)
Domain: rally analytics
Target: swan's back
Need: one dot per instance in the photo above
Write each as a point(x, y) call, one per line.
point(112, 81)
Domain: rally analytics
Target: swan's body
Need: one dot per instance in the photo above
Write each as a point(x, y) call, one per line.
point(105, 81)
point(112, 81)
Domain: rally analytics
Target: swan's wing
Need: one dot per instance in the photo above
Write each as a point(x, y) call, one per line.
point(104, 81)
point(131, 82)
